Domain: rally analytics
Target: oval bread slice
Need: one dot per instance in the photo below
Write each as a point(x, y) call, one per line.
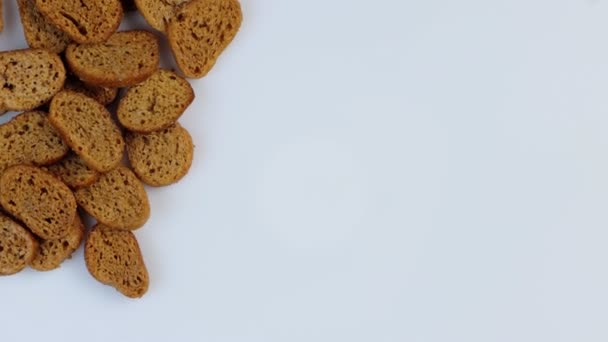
point(29, 138)
point(161, 158)
point(113, 258)
point(38, 30)
point(86, 126)
point(30, 78)
point(39, 200)
point(200, 31)
point(52, 253)
point(155, 103)
point(17, 246)
point(127, 58)
point(117, 199)
point(158, 13)
point(103, 95)
point(74, 172)
point(85, 21)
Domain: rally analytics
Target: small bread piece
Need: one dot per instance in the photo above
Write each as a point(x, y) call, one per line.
point(39, 200)
point(200, 31)
point(29, 79)
point(86, 126)
point(127, 58)
point(17, 246)
point(156, 103)
point(117, 199)
point(113, 258)
point(103, 95)
point(158, 12)
point(29, 138)
point(52, 253)
point(84, 21)
point(161, 158)
point(74, 172)
point(38, 30)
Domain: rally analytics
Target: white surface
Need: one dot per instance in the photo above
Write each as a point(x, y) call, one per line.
point(372, 171)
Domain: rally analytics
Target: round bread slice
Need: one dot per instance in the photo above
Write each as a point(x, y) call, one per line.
point(158, 12)
point(39, 200)
point(161, 158)
point(29, 138)
point(127, 58)
point(103, 95)
point(30, 78)
point(86, 126)
point(113, 258)
point(117, 199)
point(52, 253)
point(38, 30)
point(74, 172)
point(155, 103)
point(17, 246)
point(84, 21)
point(200, 31)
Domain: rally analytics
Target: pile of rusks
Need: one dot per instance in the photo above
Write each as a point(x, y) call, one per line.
point(62, 156)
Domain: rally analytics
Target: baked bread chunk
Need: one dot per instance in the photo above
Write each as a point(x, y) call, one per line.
point(30, 139)
point(125, 59)
point(73, 171)
point(117, 199)
point(84, 21)
point(86, 126)
point(200, 31)
point(30, 78)
point(156, 103)
point(158, 12)
point(42, 202)
point(38, 30)
point(161, 158)
point(17, 246)
point(52, 253)
point(113, 258)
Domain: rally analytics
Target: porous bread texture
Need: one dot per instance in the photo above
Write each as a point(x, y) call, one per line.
point(84, 21)
point(39, 32)
point(125, 59)
point(158, 13)
point(52, 253)
point(87, 127)
point(103, 95)
point(74, 172)
point(200, 31)
point(42, 202)
point(29, 78)
point(161, 158)
point(17, 246)
point(156, 103)
point(117, 199)
point(114, 258)
point(29, 138)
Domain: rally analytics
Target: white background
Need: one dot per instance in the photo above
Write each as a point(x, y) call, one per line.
point(432, 171)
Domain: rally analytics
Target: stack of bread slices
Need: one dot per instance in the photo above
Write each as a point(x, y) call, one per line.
point(62, 156)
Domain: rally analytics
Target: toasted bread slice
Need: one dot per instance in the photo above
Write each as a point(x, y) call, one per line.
point(117, 199)
point(156, 103)
point(30, 139)
point(38, 30)
point(31, 78)
point(84, 21)
point(39, 200)
point(161, 158)
point(200, 31)
point(74, 172)
point(127, 58)
point(158, 12)
point(113, 258)
point(103, 95)
point(53, 252)
point(86, 126)
point(17, 246)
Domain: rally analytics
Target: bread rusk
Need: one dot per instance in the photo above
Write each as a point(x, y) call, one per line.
point(38, 30)
point(158, 13)
point(73, 171)
point(42, 202)
point(52, 253)
point(17, 246)
point(156, 103)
